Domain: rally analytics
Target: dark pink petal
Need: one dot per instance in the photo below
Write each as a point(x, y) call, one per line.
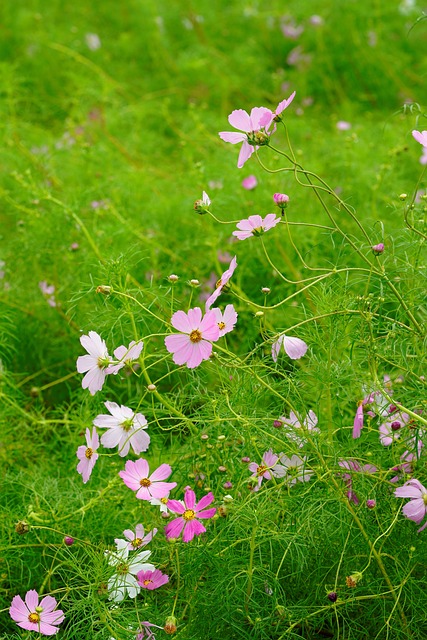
point(193, 528)
point(204, 502)
point(190, 499)
point(176, 506)
point(174, 528)
point(358, 422)
point(208, 513)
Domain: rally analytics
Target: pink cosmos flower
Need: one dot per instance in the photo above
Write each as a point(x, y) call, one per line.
point(421, 137)
point(136, 477)
point(353, 466)
point(222, 282)
point(96, 364)
point(126, 356)
point(295, 469)
point(269, 468)
point(308, 424)
point(125, 428)
point(295, 348)
point(255, 226)
point(87, 455)
point(390, 429)
point(151, 579)
point(189, 513)
point(49, 292)
point(406, 462)
point(226, 320)
point(249, 183)
point(135, 539)
point(32, 616)
point(423, 158)
point(193, 344)
point(416, 509)
point(358, 418)
point(145, 632)
point(342, 125)
point(254, 134)
point(276, 116)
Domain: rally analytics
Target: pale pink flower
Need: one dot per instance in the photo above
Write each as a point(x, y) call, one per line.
point(189, 513)
point(152, 579)
point(421, 137)
point(342, 125)
point(295, 469)
point(145, 632)
point(48, 290)
point(126, 356)
point(32, 616)
point(416, 509)
point(194, 343)
point(358, 418)
point(254, 134)
point(390, 429)
point(407, 459)
point(226, 320)
point(135, 539)
point(124, 428)
point(290, 29)
point(284, 104)
point(249, 183)
point(136, 477)
point(423, 158)
point(353, 466)
point(296, 429)
point(255, 226)
point(87, 455)
point(268, 468)
point(222, 282)
point(97, 363)
point(295, 348)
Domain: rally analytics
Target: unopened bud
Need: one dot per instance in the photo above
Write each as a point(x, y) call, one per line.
point(170, 625)
point(105, 289)
point(277, 424)
point(403, 196)
point(204, 436)
point(222, 469)
point(259, 314)
point(371, 503)
point(281, 199)
point(202, 206)
point(69, 541)
point(332, 596)
point(266, 290)
point(221, 437)
point(246, 459)
point(194, 283)
point(378, 248)
point(151, 387)
point(173, 278)
point(22, 527)
point(227, 499)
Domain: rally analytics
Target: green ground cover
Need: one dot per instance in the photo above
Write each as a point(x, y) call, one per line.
point(109, 118)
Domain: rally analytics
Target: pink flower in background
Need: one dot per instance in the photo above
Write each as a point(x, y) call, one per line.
point(223, 257)
point(416, 509)
point(32, 616)
point(421, 137)
point(268, 468)
point(342, 125)
point(193, 345)
point(226, 320)
point(96, 364)
point(295, 469)
point(87, 455)
point(295, 431)
point(406, 462)
point(254, 134)
point(49, 292)
point(151, 579)
point(353, 466)
point(295, 348)
point(221, 284)
point(255, 226)
point(125, 428)
point(358, 418)
point(136, 477)
point(249, 183)
point(127, 356)
point(145, 632)
point(290, 29)
point(135, 539)
point(189, 513)
point(390, 429)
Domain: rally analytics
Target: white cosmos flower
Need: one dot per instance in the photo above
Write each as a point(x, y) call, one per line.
point(126, 567)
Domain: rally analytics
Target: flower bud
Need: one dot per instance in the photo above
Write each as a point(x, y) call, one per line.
point(222, 437)
point(332, 596)
point(395, 425)
point(259, 314)
point(246, 459)
point(378, 248)
point(265, 290)
point(277, 424)
point(194, 283)
point(105, 289)
point(204, 436)
point(22, 527)
point(170, 625)
point(151, 387)
point(403, 196)
point(173, 278)
point(281, 199)
point(222, 469)
point(69, 541)
point(228, 485)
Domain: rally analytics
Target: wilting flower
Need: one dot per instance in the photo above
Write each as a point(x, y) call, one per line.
point(390, 429)
point(295, 469)
point(87, 455)
point(225, 320)
point(255, 226)
point(421, 137)
point(126, 356)
point(297, 428)
point(136, 477)
point(32, 616)
point(124, 428)
point(353, 466)
point(127, 568)
point(255, 134)
point(202, 206)
point(221, 284)
point(295, 348)
point(416, 509)
point(269, 468)
point(189, 513)
point(97, 363)
point(193, 344)
point(249, 183)
point(152, 579)
point(135, 539)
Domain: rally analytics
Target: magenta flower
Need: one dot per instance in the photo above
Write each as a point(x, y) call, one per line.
point(87, 455)
point(296, 429)
point(255, 133)
point(221, 284)
point(416, 509)
point(249, 183)
point(151, 579)
point(32, 616)
point(193, 344)
point(268, 468)
point(281, 199)
point(126, 356)
point(189, 513)
point(378, 249)
point(358, 418)
point(96, 364)
point(135, 539)
point(124, 428)
point(136, 477)
point(226, 320)
point(295, 348)
point(390, 429)
point(255, 226)
point(421, 137)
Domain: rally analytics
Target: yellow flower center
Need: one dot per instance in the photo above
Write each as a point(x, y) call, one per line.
point(218, 283)
point(145, 582)
point(164, 500)
point(189, 514)
point(145, 482)
point(89, 453)
point(221, 325)
point(425, 498)
point(127, 425)
point(195, 336)
point(136, 542)
point(261, 470)
point(34, 618)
